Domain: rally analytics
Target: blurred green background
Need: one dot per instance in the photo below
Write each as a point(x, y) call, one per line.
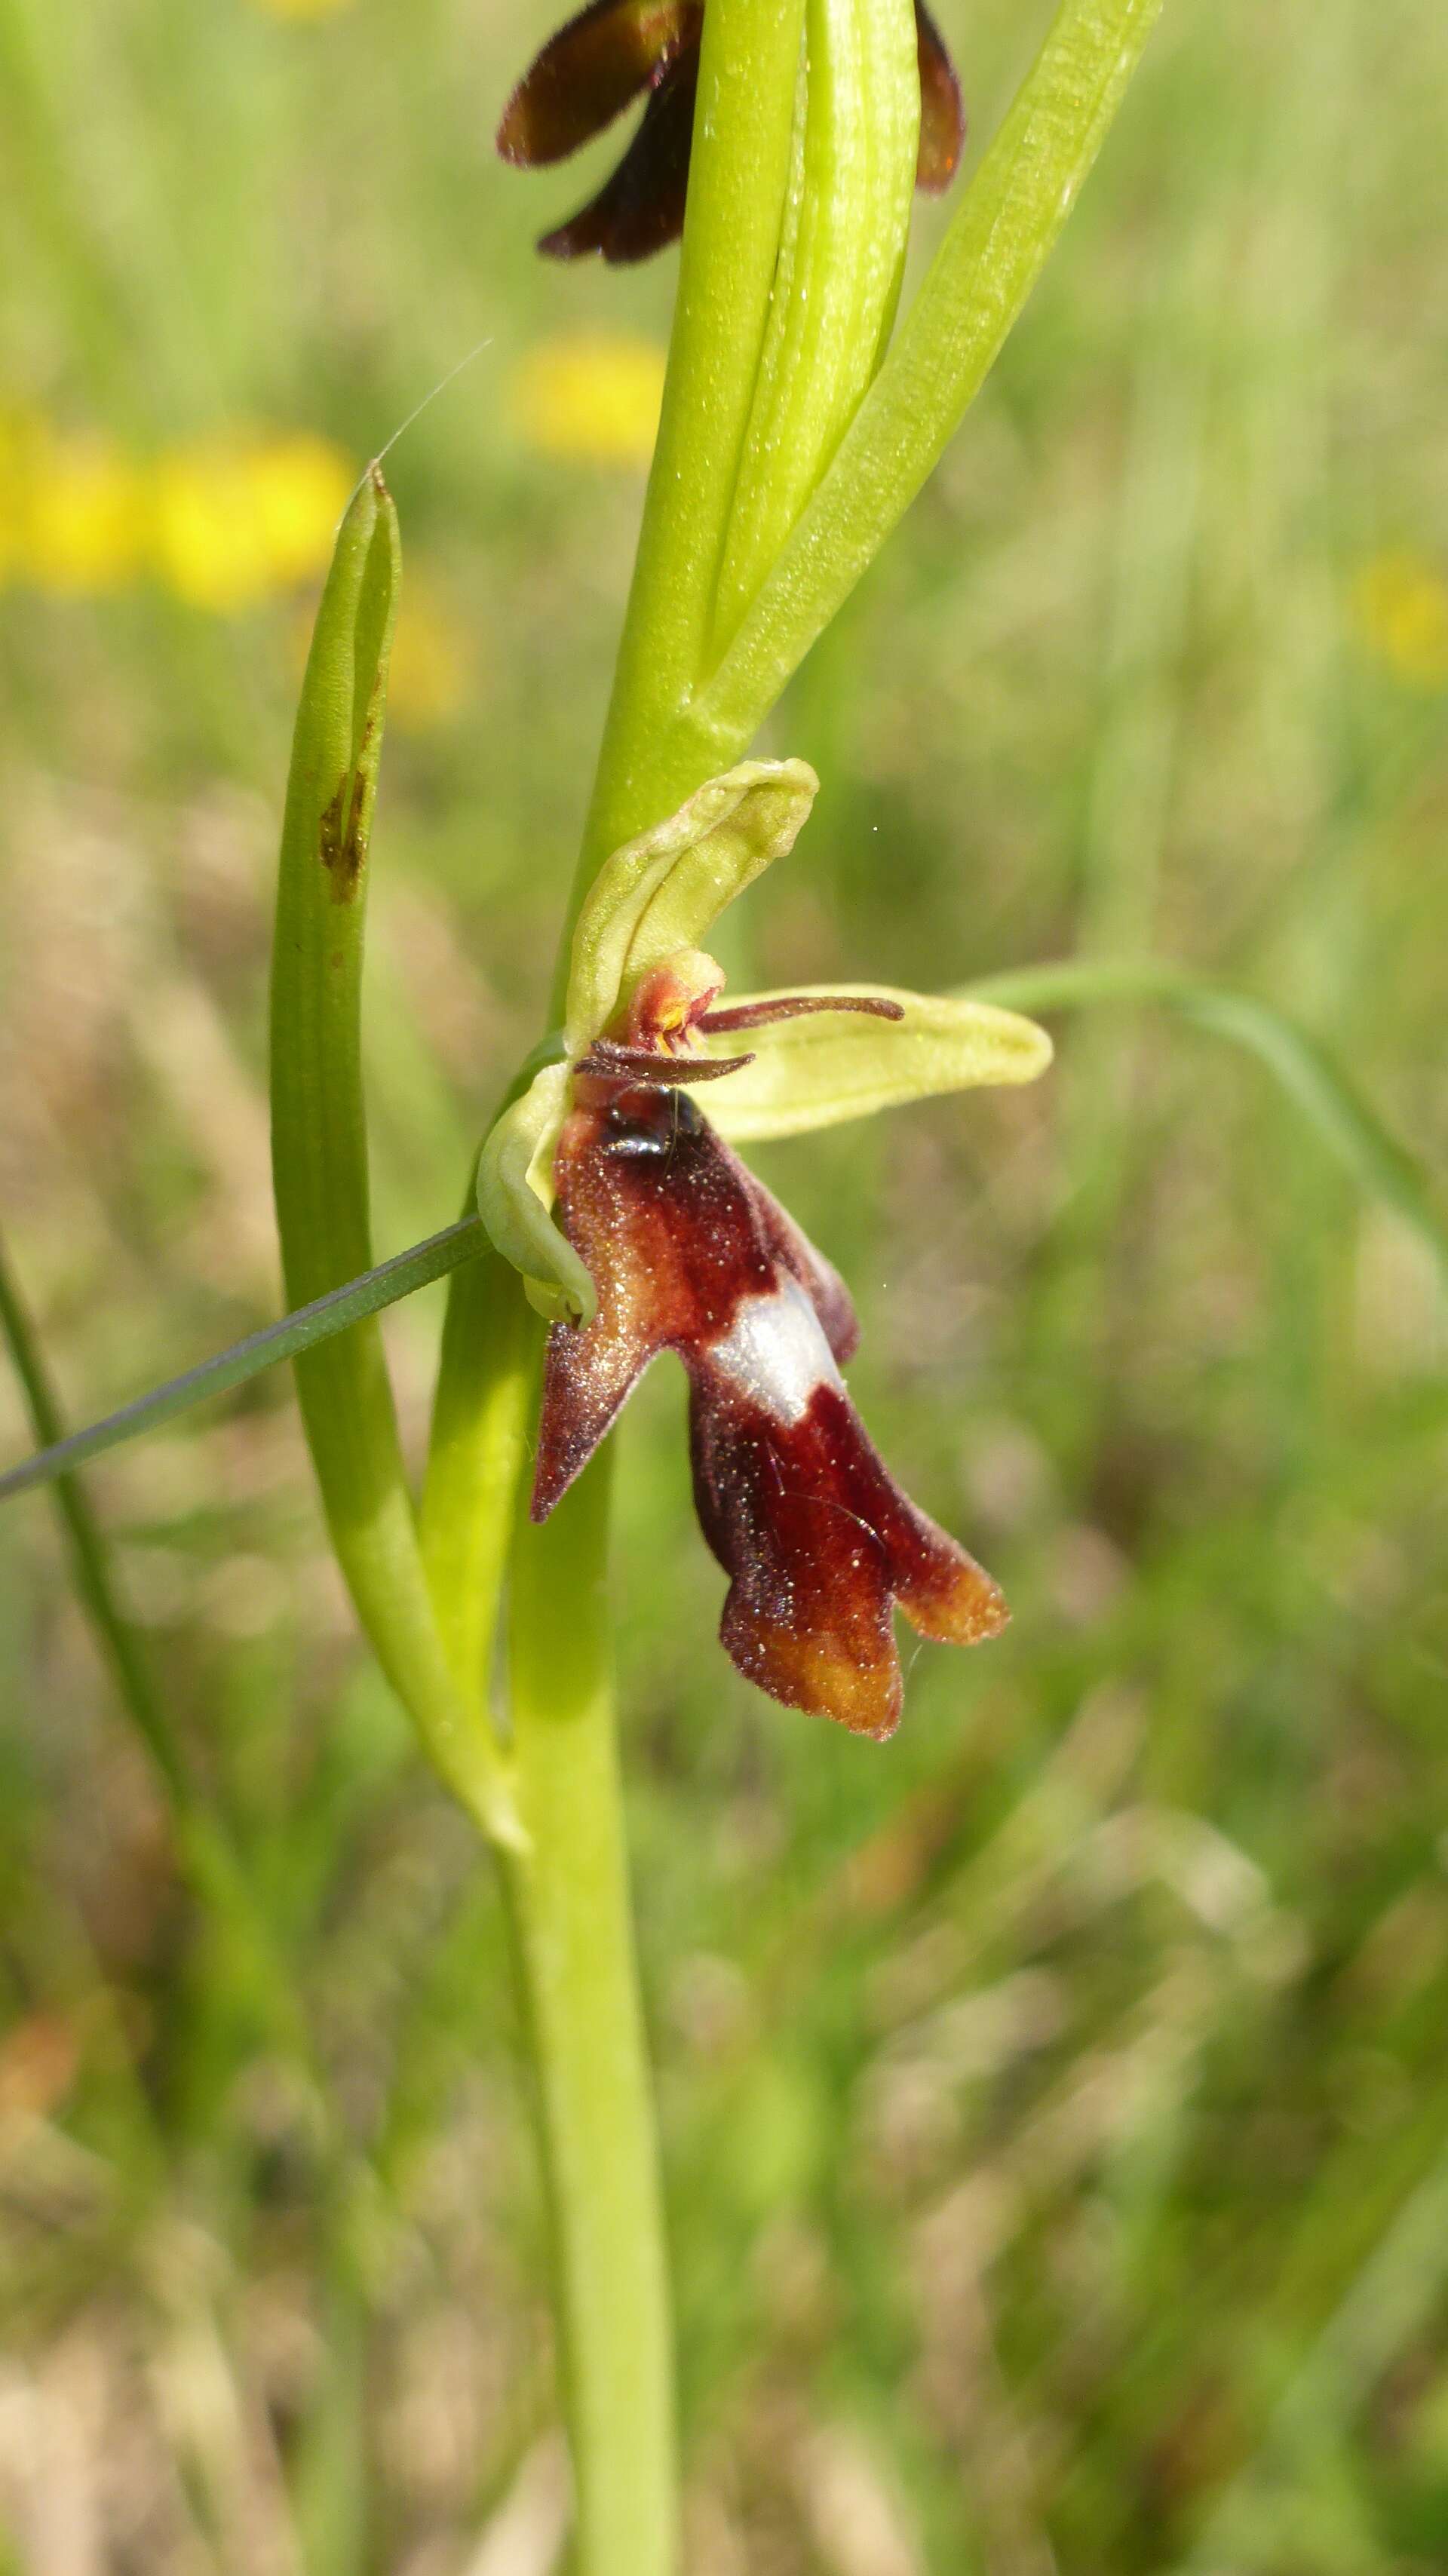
point(1056, 2104)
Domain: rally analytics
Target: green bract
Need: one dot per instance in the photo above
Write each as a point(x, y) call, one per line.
point(656, 899)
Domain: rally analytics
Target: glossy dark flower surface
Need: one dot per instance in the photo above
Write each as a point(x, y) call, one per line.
point(689, 1253)
point(616, 51)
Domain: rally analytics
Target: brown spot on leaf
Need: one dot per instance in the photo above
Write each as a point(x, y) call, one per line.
point(342, 840)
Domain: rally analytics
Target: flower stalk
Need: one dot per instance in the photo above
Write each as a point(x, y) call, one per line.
point(777, 473)
point(569, 1902)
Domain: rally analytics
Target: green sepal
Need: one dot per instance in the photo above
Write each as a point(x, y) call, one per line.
point(657, 895)
point(665, 890)
point(819, 1070)
point(515, 1188)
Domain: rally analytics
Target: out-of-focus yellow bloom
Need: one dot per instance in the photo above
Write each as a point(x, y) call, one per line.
point(1401, 608)
point(302, 8)
point(79, 522)
point(591, 395)
point(222, 521)
point(432, 658)
point(301, 487)
point(236, 519)
point(431, 674)
point(20, 433)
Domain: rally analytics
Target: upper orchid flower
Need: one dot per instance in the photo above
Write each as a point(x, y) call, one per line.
point(668, 1242)
point(617, 50)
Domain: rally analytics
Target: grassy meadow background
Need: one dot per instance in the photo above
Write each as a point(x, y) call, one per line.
point(1055, 2105)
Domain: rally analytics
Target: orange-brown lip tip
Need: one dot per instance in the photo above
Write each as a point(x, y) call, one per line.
point(995, 1614)
point(880, 1734)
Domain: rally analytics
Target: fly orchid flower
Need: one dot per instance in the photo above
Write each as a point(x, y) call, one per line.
point(667, 1242)
point(618, 50)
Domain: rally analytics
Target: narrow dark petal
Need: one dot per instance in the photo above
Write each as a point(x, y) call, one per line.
point(762, 1015)
point(942, 110)
point(641, 208)
point(663, 1072)
point(586, 75)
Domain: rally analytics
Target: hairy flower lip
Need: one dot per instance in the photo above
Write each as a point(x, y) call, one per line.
point(690, 1253)
point(616, 51)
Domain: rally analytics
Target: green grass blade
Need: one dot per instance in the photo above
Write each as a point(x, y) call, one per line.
point(211, 1862)
point(1297, 1062)
point(300, 1331)
point(89, 1554)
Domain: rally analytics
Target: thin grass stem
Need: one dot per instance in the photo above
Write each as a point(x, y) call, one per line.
point(1302, 1067)
point(400, 1277)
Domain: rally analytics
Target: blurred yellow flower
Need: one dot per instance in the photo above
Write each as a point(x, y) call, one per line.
point(432, 658)
point(434, 654)
point(302, 8)
point(79, 520)
point(234, 519)
point(301, 486)
point(590, 395)
point(1401, 608)
point(20, 431)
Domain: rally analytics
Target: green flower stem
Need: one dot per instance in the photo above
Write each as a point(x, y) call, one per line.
point(570, 1897)
point(487, 1386)
point(949, 339)
point(662, 740)
point(572, 1922)
point(739, 175)
point(1322, 1091)
point(319, 1148)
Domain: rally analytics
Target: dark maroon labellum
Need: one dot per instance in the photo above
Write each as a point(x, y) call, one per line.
point(690, 1253)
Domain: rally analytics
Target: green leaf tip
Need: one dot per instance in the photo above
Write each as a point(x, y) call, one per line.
point(338, 747)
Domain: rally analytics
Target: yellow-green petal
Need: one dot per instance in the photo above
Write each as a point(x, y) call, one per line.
point(818, 1070)
point(515, 1188)
point(665, 890)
